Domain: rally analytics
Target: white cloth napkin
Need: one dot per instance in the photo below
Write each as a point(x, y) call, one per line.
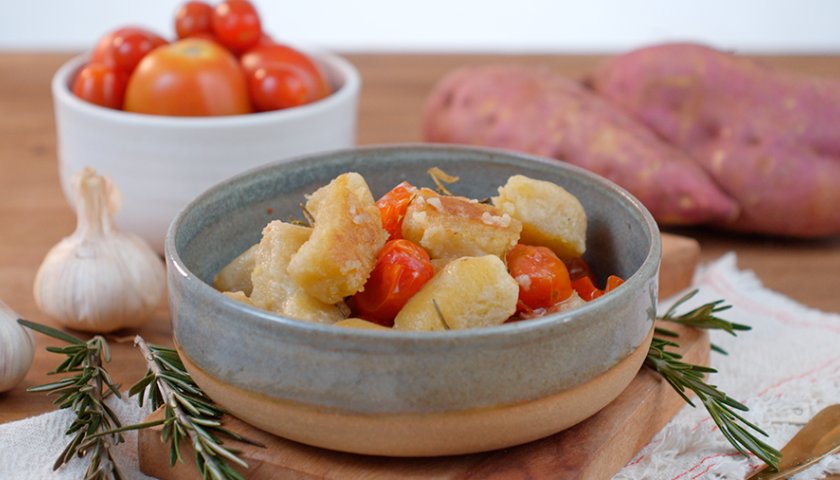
point(785, 369)
point(29, 447)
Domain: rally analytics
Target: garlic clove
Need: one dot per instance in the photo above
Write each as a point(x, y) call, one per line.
point(99, 279)
point(17, 348)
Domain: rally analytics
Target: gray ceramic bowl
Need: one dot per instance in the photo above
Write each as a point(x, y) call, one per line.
point(409, 393)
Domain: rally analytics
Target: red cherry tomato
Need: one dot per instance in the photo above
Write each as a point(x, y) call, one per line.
point(192, 18)
point(101, 84)
point(542, 276)
point(125, 47)
point(401, 270)
point(237, 24)
point(191, 77)
point(392, 207)
point(265, 40)
point(613, 282)
point(578, 268)
point(275, 55)
point(586, 289)
point(275, 88)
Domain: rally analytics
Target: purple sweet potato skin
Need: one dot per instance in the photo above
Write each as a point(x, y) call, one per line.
point(770, 139)
point(536, 111)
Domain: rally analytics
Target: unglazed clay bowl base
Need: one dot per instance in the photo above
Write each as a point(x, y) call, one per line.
point(424, 434)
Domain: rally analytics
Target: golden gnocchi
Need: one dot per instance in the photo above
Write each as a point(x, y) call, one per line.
point(444, 263)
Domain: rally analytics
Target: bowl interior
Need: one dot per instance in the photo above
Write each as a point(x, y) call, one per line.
point(229, 218)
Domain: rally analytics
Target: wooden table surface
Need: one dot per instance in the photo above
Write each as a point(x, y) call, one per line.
point(34, 216)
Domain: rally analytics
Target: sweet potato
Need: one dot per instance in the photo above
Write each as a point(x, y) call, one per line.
point(768, 138)
point(536, 111)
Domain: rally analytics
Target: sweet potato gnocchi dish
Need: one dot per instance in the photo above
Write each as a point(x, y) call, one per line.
point(419, 259)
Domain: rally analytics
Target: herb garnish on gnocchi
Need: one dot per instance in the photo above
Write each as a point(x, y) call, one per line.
point(420, 260)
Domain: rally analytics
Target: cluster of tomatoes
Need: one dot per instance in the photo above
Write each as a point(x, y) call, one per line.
point(403, 267)
point(221, 64)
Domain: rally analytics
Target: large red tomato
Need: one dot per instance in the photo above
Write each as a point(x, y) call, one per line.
point(283, 56)
point(125, 47)
point(191, 77)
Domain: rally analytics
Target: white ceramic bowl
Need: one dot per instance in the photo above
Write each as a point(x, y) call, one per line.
point(160, 163)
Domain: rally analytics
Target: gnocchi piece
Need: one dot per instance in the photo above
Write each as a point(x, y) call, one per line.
point(453, 227)
point(239, 296)
point(340, 254)
point(274, 290)
point(469, 292)
point(236, 275)
point(574, 301)
point(360, 324)
point(550, 215)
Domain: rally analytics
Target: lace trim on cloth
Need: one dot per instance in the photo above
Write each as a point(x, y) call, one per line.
point(786, 369)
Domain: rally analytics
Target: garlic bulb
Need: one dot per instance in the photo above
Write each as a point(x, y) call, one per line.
point(16, 349)
point(99, 279)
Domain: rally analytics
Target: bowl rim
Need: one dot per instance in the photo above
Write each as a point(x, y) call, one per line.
point(346, 73)
point(507, 331)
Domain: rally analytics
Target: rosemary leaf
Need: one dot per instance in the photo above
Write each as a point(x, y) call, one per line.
point(188, 414)
point(684, 377)
point(50, 332)
point(84, 392)
point(704, 317)
point(441, 178)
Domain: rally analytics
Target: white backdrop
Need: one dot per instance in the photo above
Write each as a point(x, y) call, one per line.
point(459, 25)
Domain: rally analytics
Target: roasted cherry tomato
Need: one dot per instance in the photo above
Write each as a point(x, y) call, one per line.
point(274, 88)
point(586, 289)
point(101, 84)
point(401, 270)
point(190, 77)
point(542, 277)
point(276, 55)
point(578, 267)
point(194, 18)
point(237, 24)
point(125, 47)
point(392, 207)
point(613, 282)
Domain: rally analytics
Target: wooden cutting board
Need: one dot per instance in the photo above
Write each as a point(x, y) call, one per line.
point(594, 449)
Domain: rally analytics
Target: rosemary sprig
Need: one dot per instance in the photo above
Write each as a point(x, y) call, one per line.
point(440, 315)
point(704, 317)
point(84, 393)
point(685, 376)
point(188, 414)
point(307, 215)
point(441, 178)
